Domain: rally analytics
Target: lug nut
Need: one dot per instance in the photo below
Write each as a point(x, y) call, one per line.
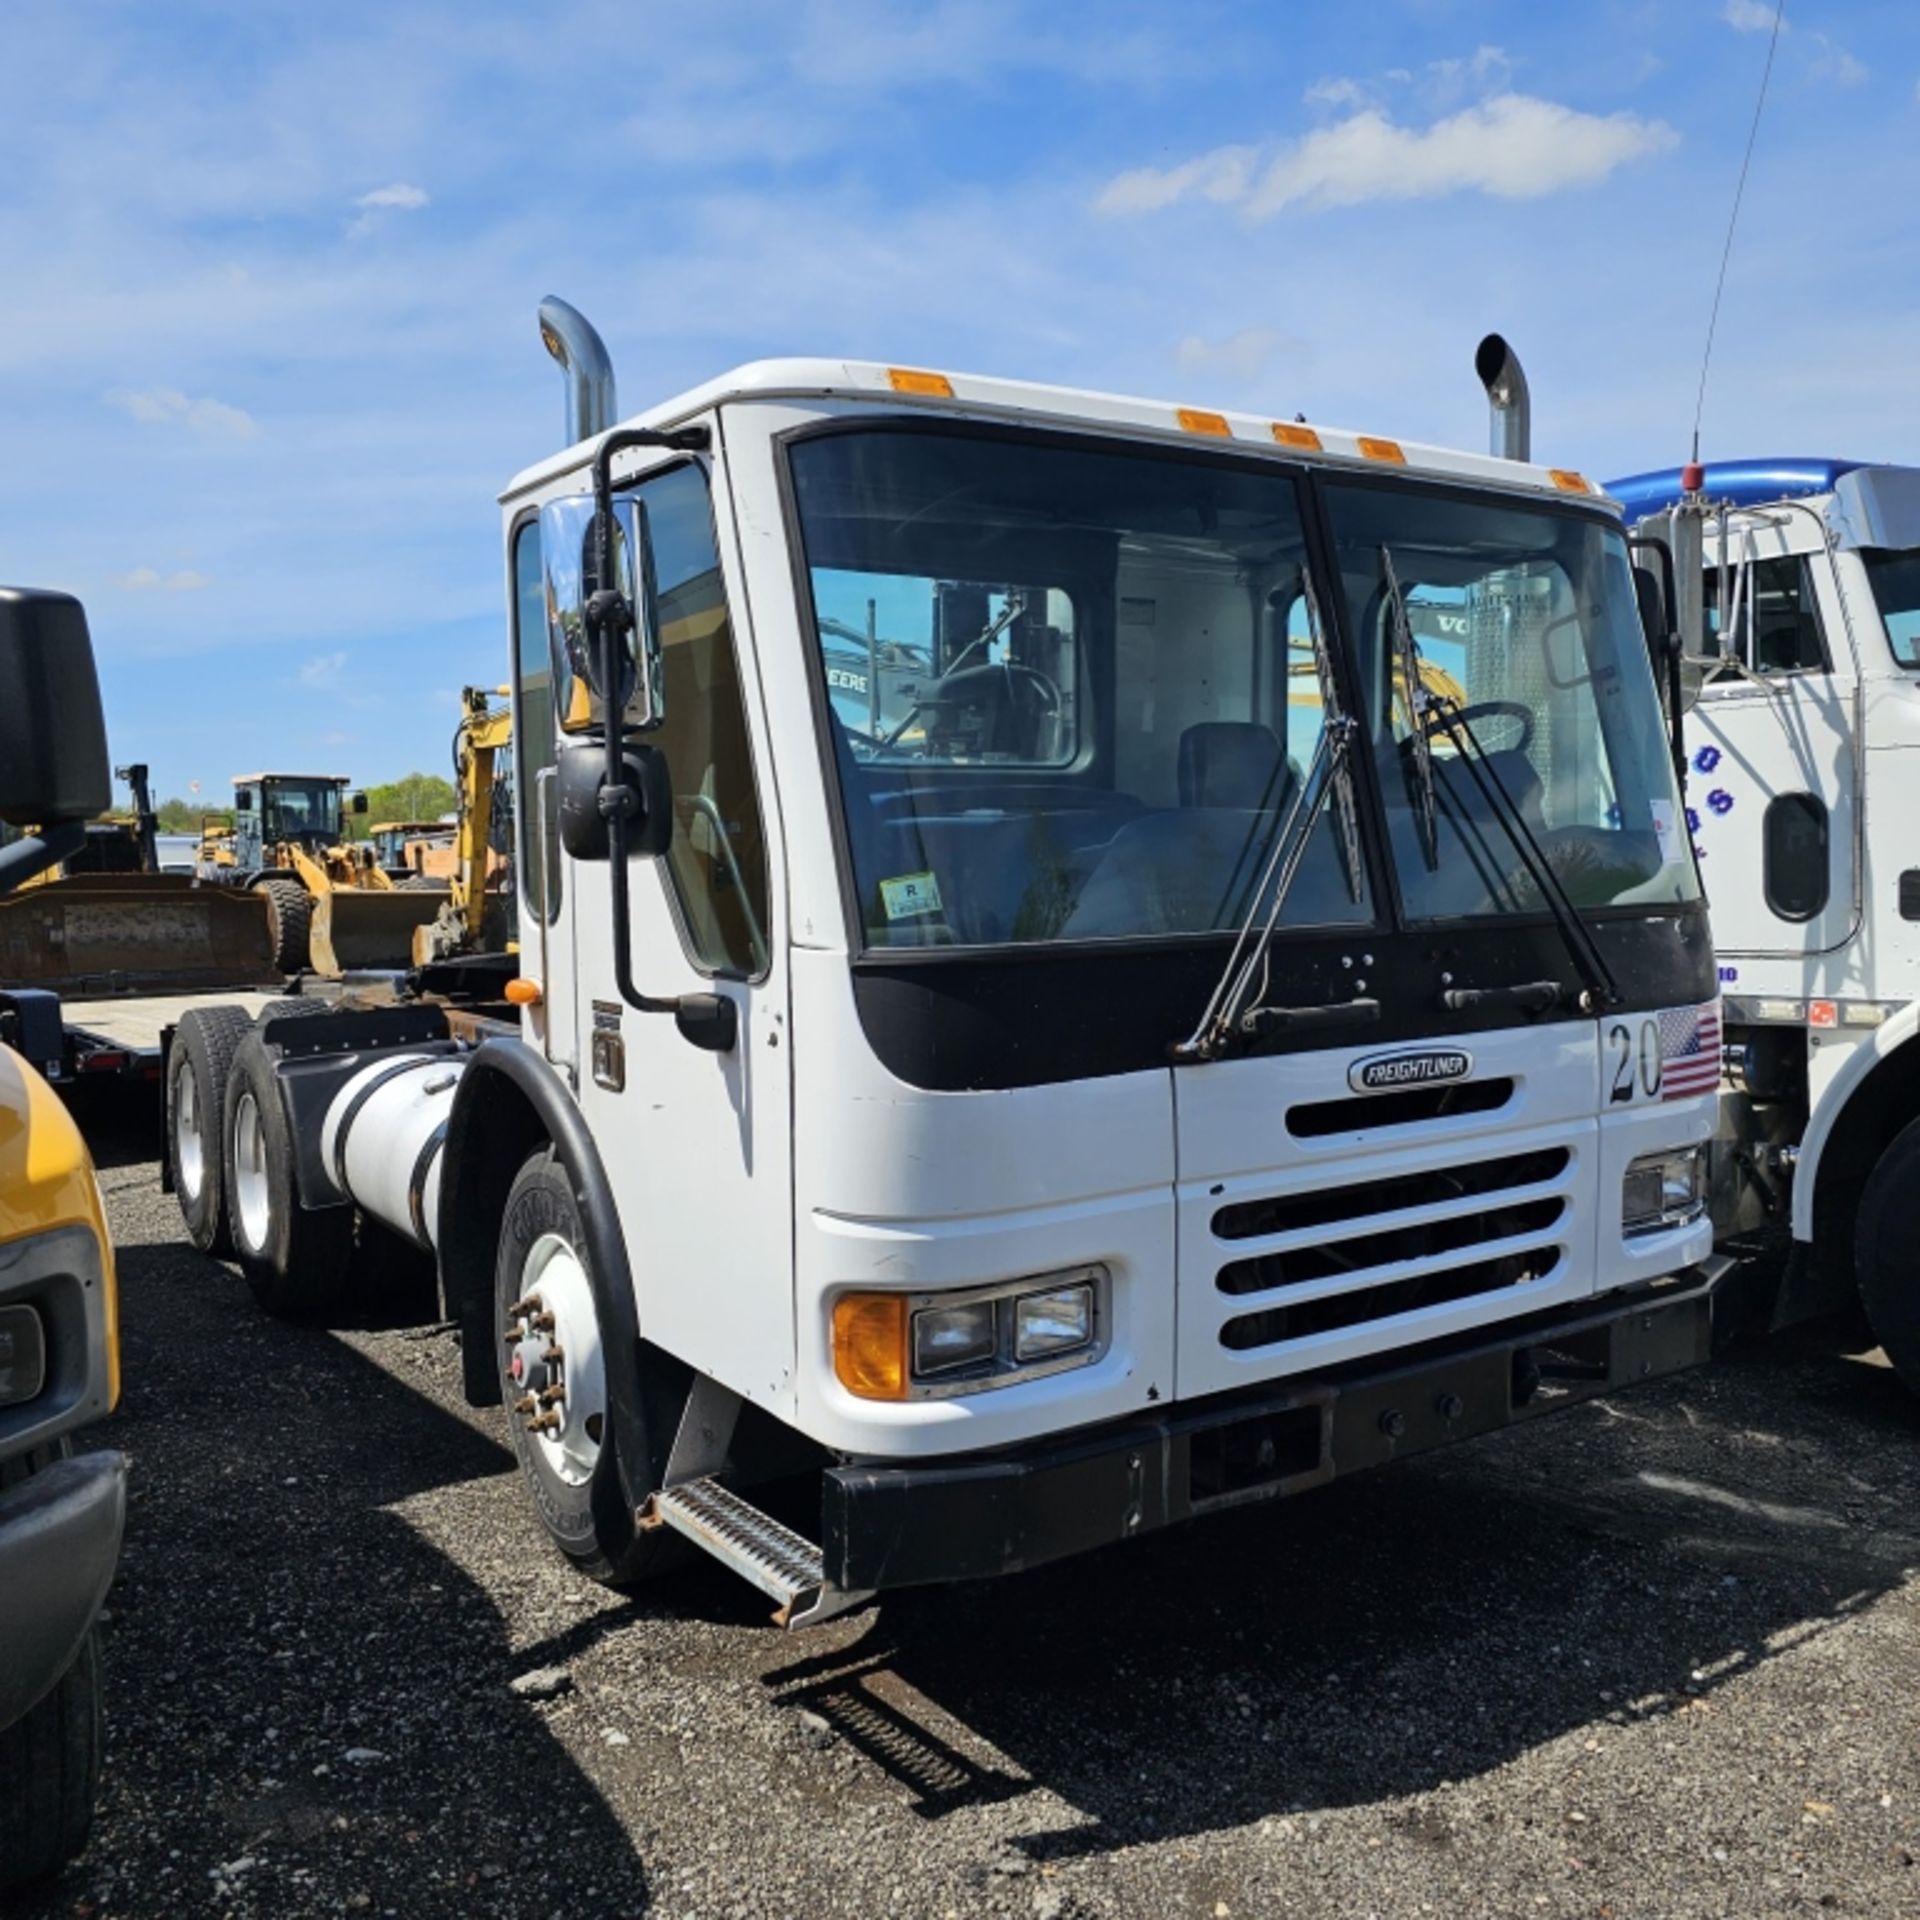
point(554, 1355)
point(548, 1395)
point(542, 1323)
point(543, 1423)
point(525, 1404)
point(514, 1334)
point(521, 1308)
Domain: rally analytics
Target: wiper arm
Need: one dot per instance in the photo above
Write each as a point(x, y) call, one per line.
point(1224, 1017)
point(1601, 991)
point(1413, 690)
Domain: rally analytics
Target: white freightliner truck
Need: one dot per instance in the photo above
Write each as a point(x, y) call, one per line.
point(1112, 960)
point(1798, 592)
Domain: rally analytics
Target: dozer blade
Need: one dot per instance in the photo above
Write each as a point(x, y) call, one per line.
point(360, 927)
point(94, 934)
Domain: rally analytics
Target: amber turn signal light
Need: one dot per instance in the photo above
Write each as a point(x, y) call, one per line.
point(870, 1344)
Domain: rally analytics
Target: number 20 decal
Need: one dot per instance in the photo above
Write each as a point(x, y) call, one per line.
point(1634, 1049)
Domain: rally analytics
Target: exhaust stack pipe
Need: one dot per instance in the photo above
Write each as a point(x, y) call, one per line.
point(1511, 436)
point(570, 337)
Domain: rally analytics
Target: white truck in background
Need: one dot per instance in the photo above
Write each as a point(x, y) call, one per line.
point(1798, 595)
point(1082, 962)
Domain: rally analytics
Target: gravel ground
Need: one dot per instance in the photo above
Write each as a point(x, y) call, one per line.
point(1658, 1657)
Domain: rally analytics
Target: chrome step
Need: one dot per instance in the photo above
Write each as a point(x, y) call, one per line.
point(777, 1560)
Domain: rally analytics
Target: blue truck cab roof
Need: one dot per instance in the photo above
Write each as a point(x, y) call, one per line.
point(1743, 483)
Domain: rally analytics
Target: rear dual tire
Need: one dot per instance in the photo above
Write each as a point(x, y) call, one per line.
point(298, 1260)
point(198, 1067)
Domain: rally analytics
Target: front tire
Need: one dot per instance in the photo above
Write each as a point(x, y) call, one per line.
point(1886, 1232)
point(289, 916)
point(50, 1756)
point(553, 1369)
point(198, 1067)
point(298, 1260)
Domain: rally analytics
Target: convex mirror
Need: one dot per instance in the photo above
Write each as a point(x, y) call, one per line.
point(570, 549)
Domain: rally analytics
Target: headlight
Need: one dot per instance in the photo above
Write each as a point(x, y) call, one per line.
point(23, 1356)
point(892, 1346)
point(1664, 1190)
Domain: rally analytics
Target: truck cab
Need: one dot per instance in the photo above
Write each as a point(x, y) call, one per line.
point(61, 1514)
point(1082, 960)
point(1804, 643)
point(285, 810)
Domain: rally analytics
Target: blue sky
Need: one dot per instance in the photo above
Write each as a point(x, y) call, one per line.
point(268, 272)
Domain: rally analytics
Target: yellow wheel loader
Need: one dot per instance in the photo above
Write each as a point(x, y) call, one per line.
point(477, 911)
point(331, 904)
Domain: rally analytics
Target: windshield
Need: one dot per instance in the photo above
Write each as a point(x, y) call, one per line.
point(1523, 623)
point(298, 807)
point(1072, 691)
point(1895, 573)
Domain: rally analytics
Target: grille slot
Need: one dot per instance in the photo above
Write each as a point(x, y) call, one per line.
point(1329, 1313)
point(1317, 1118)
point(1329, 1206)
point(1300, 1266)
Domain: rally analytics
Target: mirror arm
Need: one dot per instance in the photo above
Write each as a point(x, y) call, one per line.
point(709, 1021)
point(39, 851)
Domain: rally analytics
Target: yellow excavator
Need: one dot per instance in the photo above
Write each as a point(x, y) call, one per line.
point(330, 904)
point(476, 915)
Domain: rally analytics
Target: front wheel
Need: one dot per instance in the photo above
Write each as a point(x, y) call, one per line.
point(1886, 1231)
point(553, 1382)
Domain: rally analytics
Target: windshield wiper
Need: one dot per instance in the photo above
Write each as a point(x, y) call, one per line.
point(1236, 1007)
point(1406, 653)
point(1601, 991)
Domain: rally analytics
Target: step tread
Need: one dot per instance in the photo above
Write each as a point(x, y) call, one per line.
point(775, 1558)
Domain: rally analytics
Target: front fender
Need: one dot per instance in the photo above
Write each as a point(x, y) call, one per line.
point(1888, 1040)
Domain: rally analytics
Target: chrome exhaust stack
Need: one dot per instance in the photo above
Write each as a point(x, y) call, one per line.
point(1500, 372)
point(572, 339)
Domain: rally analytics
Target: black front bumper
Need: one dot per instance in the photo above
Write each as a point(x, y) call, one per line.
point(962, 1519)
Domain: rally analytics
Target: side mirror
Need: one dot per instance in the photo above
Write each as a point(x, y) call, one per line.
point(243, 800)
point(583, 827)
point(53, 734)
point(570, 549)
point(359, 803)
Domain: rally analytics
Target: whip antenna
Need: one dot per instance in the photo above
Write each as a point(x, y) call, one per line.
point(1726, 252)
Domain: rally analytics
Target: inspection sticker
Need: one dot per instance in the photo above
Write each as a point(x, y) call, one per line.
point(910, 895)
point(1666, 832)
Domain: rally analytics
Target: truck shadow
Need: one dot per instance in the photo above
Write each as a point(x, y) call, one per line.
point(308, 1700)
point(1419, 1627)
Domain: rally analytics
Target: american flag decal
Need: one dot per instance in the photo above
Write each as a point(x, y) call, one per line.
point(1689, 1051)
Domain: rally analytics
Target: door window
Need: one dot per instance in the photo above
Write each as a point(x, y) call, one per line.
point(718, 859)
point(1785, 623)
point(1794, 869)
point(533, 745)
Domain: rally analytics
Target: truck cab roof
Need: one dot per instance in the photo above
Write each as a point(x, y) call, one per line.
point(985, 396)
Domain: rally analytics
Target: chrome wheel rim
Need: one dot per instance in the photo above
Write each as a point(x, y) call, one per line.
point(556, 1373)
point(189, 1149)
point(252, 1198)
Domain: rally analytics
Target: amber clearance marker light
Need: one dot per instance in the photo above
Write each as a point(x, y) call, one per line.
point(1388, 450)
point(1567, 480)
point(1302, 438)
point(870, 1344)
point(1198, 420)
point(912, 380)
point(524, 993)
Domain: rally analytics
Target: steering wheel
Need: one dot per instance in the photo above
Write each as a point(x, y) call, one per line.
point(1516, 711)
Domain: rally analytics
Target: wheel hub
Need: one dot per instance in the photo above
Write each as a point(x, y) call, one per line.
point(189, 1150)
point(553, 1358)
point(252, 1197)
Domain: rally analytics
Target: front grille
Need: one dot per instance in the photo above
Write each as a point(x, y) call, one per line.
point(1274, 1324)
point(1249, 1219)
point(1318, 1261)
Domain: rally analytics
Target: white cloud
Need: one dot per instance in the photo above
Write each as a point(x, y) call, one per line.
point(1835, 63)
point(324, 671)
point(1513, 147)
point(400, 194)
point(1339, 92)
point(168, 406)
point(150, 580)
point(1240, 356)
point(1749, 16)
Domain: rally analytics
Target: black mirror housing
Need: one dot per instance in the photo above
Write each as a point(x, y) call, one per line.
point(359, 803)
point(54, 765)
point(583, 827)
